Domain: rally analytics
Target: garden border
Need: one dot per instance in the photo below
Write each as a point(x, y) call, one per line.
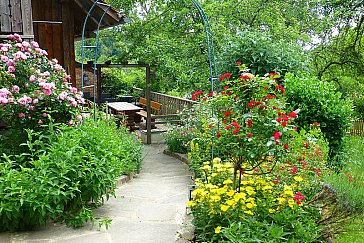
point(181, 157)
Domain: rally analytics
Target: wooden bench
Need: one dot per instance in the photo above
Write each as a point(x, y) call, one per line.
point(155, 106)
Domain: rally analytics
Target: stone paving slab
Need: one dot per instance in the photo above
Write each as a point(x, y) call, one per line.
point(149, 208)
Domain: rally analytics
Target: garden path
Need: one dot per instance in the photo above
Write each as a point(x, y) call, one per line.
point(149, 208)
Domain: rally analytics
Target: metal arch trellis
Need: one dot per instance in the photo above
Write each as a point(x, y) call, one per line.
point(209, 41)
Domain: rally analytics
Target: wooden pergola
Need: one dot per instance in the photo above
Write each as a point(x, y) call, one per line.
point(147, 91)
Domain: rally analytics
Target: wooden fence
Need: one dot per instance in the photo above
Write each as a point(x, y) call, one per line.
point(170, 104)
point(357, 129)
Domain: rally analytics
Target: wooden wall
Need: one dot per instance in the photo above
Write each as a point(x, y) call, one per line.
point(54, 31)
point(16, 17)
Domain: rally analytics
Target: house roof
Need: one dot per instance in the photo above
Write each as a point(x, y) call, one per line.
point(111, 18)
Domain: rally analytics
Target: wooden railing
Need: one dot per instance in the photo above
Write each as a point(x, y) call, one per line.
point(357, 128)
point(170, 104)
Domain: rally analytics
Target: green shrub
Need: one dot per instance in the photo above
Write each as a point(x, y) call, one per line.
point(178, 139)
point(262, 54)
point(319, 102)
point(67, 173)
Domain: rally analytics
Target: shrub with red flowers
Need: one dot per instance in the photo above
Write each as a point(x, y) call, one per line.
point(261, 151)
point(33, 89)
point(252, 121)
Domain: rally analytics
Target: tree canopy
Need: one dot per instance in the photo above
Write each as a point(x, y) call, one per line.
point(324, 36)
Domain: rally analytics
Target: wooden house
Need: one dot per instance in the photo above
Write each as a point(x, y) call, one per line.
point(55, 24)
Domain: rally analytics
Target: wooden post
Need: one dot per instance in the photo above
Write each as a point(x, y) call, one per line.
point(99, 84)
point(149, 110)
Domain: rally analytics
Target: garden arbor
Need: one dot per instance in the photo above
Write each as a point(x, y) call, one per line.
point(107, 8)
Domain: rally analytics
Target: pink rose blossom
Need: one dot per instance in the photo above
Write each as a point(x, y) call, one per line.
point(35, 44)
point(32, 78)
point(73, 90)
point(21, 115)
point(11, 69)
point(22, 101)
point(62, 95)
point(16, 89)
point(45, 115)
point(3, 100)
point(40, 122)
point(30, 107)
point(4, 58)
point(47, 92)
point(35, 101)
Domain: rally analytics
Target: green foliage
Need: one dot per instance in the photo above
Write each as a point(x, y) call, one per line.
point(261, 187)
point(121, 81)
point(262, 53)
point(319, 102)
point(275, 228)
point(178, 139)
point(65, 175)
point(349, 182)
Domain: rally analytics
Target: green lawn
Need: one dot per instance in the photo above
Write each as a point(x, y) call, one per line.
point(354, 182)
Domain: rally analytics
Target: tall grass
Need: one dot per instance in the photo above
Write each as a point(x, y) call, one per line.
point(349, 186)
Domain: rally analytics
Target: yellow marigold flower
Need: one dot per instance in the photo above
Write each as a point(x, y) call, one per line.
point(230, 202)
point(224, 208)
point(191, 203)
point(250, 205)
point(240, 195)
point(221, 190)
point(206, 163)
point(251, 200)
point(217, 229)
point(267, 188)
point(216, 160)
point(291, 203)
point(214, 175)
point(281, 200)
point(197, 191)
point(215, 198)
point(230, 193)
point(205, 167)
point(250, 190)
point(227, 182)
point(298, 178)
point(288, 193)
point(271, 210)
point(262, 182)
point(249, 212)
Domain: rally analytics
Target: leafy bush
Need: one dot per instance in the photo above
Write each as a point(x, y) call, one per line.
point(178, 139)
point(121, 82)
point(319, 102)
point(262, 54)
point(261, 187)
point(33, 88)
point(67, 173)
point(264, 207)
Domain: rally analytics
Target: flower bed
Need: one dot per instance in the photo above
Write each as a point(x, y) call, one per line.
point(267, 172)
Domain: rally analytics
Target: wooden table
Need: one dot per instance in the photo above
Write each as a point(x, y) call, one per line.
point(127, 109)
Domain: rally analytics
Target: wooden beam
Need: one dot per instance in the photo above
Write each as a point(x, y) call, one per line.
point(68, 40)
point(149, 110)
point(5, 21)
point(99, 86)
point(27, 18)
point(16, 15)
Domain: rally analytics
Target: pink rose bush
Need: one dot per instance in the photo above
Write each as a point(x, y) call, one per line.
point(33, 89)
